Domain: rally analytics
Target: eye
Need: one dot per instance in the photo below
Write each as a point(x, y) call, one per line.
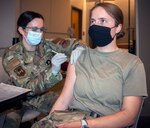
point(34, 28)
point(102, 21)
point(92, 21)
point(43, 29)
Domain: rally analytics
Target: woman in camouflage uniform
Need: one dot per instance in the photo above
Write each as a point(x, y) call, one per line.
point(35, 63)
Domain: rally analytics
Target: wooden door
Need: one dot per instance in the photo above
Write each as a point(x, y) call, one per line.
point(76, 22)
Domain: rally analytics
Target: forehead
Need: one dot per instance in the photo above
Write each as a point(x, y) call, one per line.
point(100, 12)
point(36, 22)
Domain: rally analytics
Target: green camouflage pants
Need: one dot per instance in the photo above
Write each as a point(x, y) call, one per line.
point(44, 102)
point(60, 117)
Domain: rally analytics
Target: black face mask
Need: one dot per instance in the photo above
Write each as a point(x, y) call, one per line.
point(100, 35)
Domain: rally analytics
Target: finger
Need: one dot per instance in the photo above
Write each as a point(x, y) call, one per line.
point(60, 57)
point(60, 60)
point(59, 54)
point(56, 59)
point(59, 125)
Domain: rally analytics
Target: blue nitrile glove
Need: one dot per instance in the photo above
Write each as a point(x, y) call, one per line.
point(56, 61)
point(75, 54)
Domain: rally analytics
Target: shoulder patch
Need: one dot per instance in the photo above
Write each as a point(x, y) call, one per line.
point(56, 40)
point(13, 63)
point(64, 43)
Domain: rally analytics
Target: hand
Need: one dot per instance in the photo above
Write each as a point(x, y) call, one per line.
point(56, 61)
point(62, 125)
point(68, 125)
point(75, 54)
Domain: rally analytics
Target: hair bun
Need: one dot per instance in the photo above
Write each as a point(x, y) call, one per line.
point(120, 35)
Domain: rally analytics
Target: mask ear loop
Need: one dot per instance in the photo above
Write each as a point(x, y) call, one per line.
point(116, 25)
point(114, 36)
point(115, 33)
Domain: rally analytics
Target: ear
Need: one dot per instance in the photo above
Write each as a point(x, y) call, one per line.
point(21, 31)
point(118, 28)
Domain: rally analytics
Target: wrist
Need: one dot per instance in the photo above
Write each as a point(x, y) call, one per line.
point(84, 124)
point(55, 69)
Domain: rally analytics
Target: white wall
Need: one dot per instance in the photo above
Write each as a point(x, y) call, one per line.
point(11, 9)
point(8, 14)
point(56, 13)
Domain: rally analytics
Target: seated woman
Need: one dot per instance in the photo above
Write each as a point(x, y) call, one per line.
point(106, 81)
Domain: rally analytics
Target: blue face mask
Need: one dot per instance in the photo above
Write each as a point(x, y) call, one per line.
point(33, 38)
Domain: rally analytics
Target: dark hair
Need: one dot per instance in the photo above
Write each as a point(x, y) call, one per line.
point(27, 17)
point(115, 12)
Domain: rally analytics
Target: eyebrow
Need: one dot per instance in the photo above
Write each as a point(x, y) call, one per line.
point(92, 19)
point(99, 18)
point(102, 18)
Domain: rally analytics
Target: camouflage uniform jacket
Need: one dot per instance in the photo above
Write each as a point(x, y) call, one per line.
point(32, 70)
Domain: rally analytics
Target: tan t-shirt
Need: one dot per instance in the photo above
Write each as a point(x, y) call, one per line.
point(103, 79)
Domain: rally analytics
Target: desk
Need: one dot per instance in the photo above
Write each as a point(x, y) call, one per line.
point(11, 95)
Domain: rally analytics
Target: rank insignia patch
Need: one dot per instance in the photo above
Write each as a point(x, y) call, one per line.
point(19, 71)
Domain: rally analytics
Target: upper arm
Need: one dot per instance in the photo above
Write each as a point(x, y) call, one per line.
point(132, 104)
point(135, 81)
point(29, 76)
point(67, 91)
point(125, 117)
point(65, 97)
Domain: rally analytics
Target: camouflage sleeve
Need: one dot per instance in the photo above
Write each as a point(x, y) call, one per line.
point(22, 76)
point(43, 82)
point(66, 45)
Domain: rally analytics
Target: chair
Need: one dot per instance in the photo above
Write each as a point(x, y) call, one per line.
point(30, 115)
